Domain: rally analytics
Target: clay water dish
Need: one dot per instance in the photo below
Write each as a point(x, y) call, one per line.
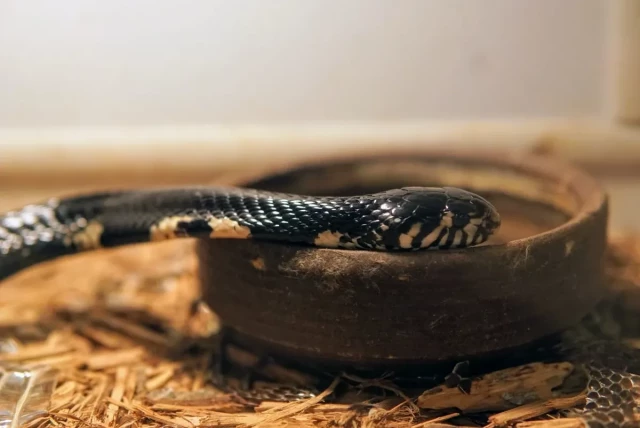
point(540, 274)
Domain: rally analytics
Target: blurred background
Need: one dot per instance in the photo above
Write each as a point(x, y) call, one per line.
point(166, 62)
point(126, 91)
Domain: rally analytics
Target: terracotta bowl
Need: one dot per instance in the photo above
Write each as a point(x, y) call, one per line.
point(540, 274)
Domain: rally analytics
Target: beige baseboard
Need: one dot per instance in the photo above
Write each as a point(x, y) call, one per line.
point(185, 154)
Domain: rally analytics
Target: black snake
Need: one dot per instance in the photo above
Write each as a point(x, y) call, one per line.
point(406, 219)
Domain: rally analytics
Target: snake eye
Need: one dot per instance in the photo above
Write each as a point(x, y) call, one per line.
point(460, 220)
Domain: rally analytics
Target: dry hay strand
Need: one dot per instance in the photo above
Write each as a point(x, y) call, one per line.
point(112, 346)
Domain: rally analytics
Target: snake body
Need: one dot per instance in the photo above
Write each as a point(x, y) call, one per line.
point(405, 219)
point(396, 220)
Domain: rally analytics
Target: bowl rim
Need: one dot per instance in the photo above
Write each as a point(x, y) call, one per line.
point(593, 195)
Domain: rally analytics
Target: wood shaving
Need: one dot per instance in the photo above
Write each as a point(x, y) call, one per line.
point(500, 390)
point(115, 334)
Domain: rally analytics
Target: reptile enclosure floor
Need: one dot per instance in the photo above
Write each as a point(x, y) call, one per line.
point(117, 330)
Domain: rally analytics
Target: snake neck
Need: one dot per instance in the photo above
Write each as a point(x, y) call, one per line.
point(61, 227)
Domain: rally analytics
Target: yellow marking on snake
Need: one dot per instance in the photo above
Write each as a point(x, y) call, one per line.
point(227, 228)
point(87, 238)
point(431, 237)
point(166, 228)
point(406, 238)
point(443, 240)
point(470, 229)
point(220, 228)
point(447, 219)
point(446, 222)
point(457, 239)
point(476, 221)
point(331, 239)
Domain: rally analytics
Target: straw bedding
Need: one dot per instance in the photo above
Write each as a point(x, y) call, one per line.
point(112, 339)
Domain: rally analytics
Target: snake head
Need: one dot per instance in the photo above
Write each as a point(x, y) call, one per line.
point(436, 217)
point(472, 216)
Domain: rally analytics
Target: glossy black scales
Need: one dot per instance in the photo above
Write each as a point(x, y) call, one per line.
point(401, 219)
point(32, 235)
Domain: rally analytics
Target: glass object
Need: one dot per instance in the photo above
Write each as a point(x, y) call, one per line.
point(25, 394)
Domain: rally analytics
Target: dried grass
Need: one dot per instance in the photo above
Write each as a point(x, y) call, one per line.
point(113, 325)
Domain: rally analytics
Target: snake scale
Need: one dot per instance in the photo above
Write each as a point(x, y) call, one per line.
point(405, 219)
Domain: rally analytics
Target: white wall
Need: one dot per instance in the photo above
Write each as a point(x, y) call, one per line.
point(168, 62)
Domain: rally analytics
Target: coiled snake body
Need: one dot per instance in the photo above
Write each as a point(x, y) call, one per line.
point(406, 219)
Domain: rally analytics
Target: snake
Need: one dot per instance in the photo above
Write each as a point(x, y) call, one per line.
point(396, 220)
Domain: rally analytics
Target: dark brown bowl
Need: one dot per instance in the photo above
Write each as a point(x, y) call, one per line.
point(539, 275)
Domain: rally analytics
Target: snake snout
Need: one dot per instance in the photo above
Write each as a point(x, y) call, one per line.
point(493, 221)
point(473, 215)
